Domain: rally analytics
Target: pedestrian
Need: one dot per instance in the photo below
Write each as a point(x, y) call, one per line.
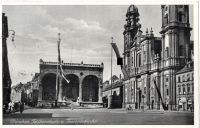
point(21, 107)
point(4, 108)
point(12, 106)
point(191, 108)
point(71, 105)
point(9, 106)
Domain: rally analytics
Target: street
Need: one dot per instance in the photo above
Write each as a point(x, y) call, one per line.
point(100, 116)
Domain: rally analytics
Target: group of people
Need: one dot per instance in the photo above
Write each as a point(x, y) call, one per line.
point(13, 107)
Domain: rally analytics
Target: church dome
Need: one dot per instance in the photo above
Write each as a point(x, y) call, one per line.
point(132, 9)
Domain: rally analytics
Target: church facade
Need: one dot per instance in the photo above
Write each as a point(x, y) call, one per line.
point(152, 62)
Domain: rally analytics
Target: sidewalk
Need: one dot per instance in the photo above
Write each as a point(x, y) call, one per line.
point(28, 115)
point(46, 111)
point(159, 111)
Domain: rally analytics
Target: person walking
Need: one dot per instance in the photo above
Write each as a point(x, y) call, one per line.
point(9, 106)
point(21, 107)
point(12, 107)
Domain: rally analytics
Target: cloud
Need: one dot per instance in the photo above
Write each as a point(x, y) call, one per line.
point(36, 37)
point(85, 34)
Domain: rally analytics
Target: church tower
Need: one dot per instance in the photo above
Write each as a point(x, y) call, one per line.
point(175, 48)
point(131, 28)
point(176, 34)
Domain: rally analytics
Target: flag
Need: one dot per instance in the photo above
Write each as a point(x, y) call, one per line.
point(62, 74)
point(114, 46)
point(119, 58)
point(119, 61)
point(59, 59)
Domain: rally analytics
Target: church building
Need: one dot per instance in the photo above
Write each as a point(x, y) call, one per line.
point(152, 62)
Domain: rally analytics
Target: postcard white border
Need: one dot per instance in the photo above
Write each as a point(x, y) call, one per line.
point(124, 2)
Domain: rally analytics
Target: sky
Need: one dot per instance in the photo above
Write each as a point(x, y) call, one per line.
point(86, 32)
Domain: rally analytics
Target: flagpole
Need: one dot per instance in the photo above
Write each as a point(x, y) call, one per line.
point(111, 65)
point(110, 98)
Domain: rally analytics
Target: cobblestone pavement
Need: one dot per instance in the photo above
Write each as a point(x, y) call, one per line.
point(99, 116)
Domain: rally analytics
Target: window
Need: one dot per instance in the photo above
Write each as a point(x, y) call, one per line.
point(132, 61)
point(183, 78)
point(179, 79)
point(167, 52)
point(179, 90)
point(188, 77)
point(188, 88)
point(180, 16)
point(183, 89)
point(166, 79)
point(166, 12)
point(166, 8)
point(167, 92)
point(144, 56)
point(139, 59)
point(180, 50)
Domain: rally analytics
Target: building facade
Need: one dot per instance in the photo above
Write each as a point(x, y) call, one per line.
point(117, 92)
point(5, 66)
point(84, 86)
point(34, 90)
point(16, 94)
point(26, 92)
point(152, 62)
point(185, 88)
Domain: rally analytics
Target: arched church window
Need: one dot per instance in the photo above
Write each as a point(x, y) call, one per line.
point(180, 16)
point(167, 91)
point(167, 52)
point(180, 50)
point(139, 55)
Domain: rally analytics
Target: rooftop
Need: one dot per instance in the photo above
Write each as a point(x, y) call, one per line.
point(115, 85)
point(187, 68)
point(72, 64)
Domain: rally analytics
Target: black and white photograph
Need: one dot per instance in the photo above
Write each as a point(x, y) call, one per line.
point(129, 64)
